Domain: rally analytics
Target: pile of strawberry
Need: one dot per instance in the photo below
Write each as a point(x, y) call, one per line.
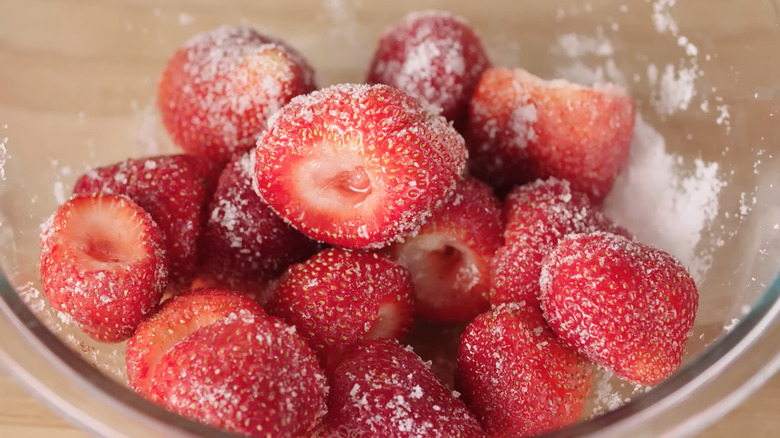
point(265, 278)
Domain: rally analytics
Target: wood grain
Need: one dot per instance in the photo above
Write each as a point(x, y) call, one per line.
point(89, 40)
point(23, 416)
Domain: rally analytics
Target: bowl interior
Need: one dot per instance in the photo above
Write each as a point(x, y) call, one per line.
point(78, 91)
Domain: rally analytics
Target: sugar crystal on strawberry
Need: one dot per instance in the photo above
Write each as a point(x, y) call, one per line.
point(434, 56)
point(339, 297)
point(356, 165)
point(521, 128)
point(625, 305)
point(384, 389)
point(230, 365)
point(515, 375)
point(174, 189)
point(244, 243)
point(449, 257)
point(103, 262)
point(218, 91)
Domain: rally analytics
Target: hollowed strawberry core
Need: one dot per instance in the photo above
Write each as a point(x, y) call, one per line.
point(337, 185)
point(352, 185)
point(448, 277)
point(386, 324)
point(107, 237)
point(438, 259)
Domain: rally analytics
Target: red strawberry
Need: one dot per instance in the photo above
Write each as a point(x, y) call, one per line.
point(385, 390)
point(450, 255)
point(626, 306)
point(250, 374)
point(357, 165)
point(102, 262)
point(244, 243)
point(434, 56)
point(174, 321)
point(537, 216)
point(173, 189)
point(339, 297)
point(522, 128)
point(219, 89)
point(516, 377)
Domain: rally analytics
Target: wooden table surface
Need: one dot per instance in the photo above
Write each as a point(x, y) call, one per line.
point(23, 416)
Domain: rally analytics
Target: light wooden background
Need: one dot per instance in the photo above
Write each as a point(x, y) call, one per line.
point(22, 416)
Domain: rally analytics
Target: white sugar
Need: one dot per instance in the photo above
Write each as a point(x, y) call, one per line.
point(676, 90)
point(676, 205)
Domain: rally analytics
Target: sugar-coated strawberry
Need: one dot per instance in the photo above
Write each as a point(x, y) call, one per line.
point(522, 128)
point(537, 216)
point(385, 390)
point(244, 243)
point(434, 56)
point(249, 374)
point(357, 166)
point(176, 319)
point(449, 257)
point(102, 262)
point(626, 306)
point(516, 377)
point(218, 90)
point(340, 297)
point(174, 190)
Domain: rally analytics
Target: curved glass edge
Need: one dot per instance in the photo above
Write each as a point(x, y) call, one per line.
point(696, 395)
point(701, 392)
point(81, 394)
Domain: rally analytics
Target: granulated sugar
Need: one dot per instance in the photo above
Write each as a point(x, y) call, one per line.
point(675, 206)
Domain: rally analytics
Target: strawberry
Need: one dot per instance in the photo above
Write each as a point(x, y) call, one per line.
point(357, 166)
point(386, 390)
point(516, 377)
point(244, 243)
point(340, 296)
point(176, 319)
point(173, 189)
point(217, 92)
point(537, 216)
point(249, 374)
point(434, 56)
point(450, 255)
point(102, 262)
point(521, 128)
point(626, 306)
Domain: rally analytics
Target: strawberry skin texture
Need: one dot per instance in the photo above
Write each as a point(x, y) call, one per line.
point(385, 389)
point(102, 262)
point(244, 243)
point(449, 257)
point(434, 56)
point(538, 215)
point(339, 297)
point(403, 160)
point(176, 319)
point(217, 92)
point(174, 190)
point(516, 377)
point(626, 306)
point(249, 374)
point(522, 128)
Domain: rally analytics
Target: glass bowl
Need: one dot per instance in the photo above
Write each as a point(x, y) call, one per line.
point(77, 89)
